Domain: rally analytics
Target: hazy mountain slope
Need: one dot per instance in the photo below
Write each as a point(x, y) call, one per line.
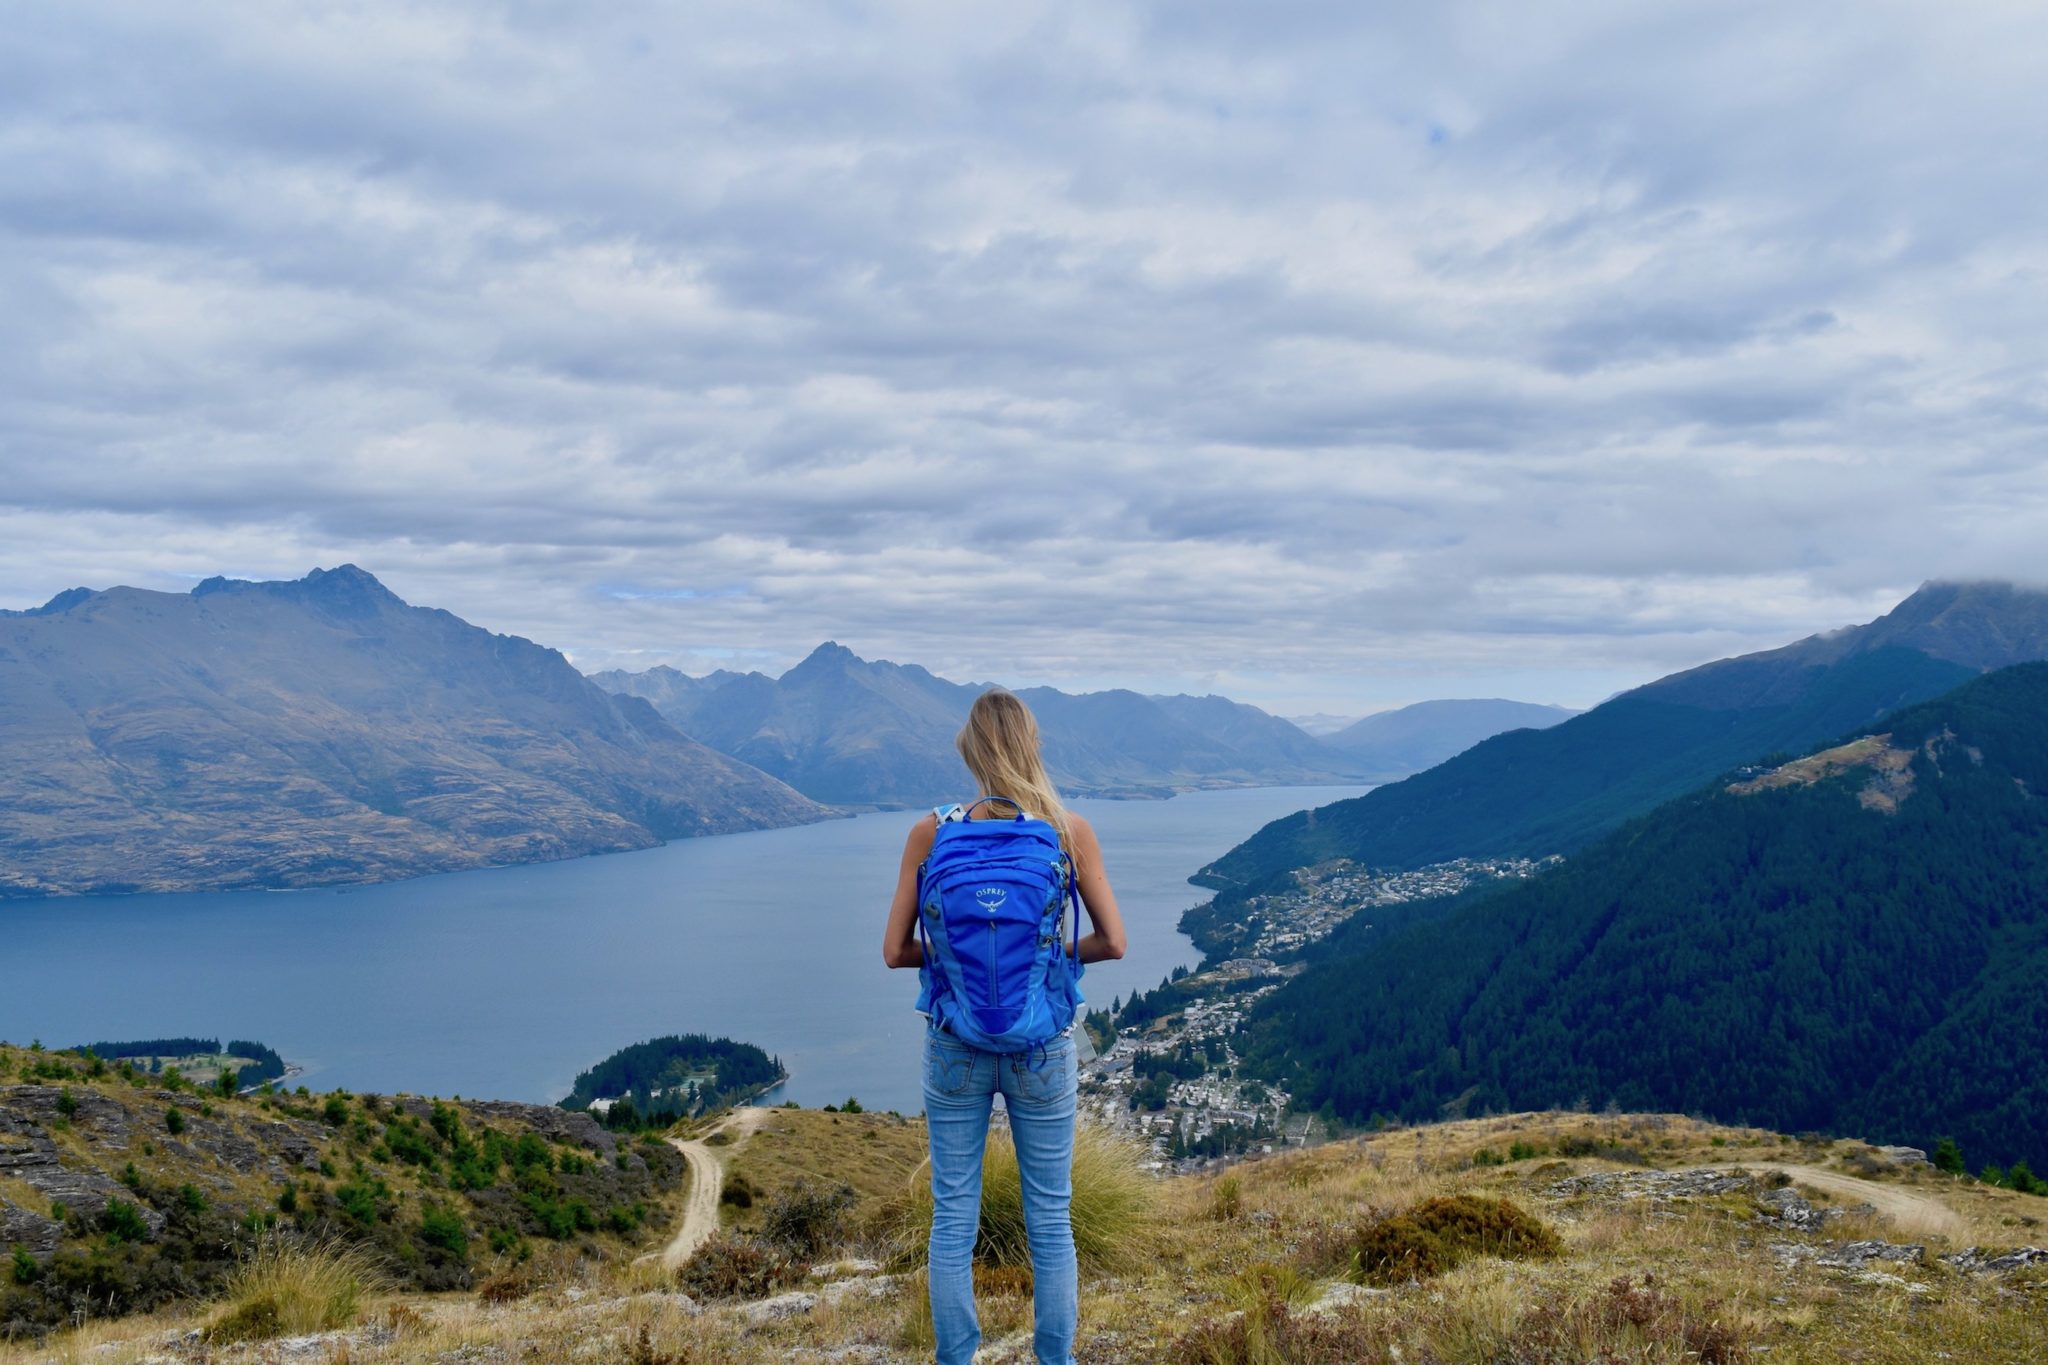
point(290, 734)
point(1550, 791)
point(1856, 942)
point(672, 692)
point(855, 731)
point(1399, 742)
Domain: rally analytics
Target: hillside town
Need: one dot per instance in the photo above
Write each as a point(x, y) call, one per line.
point(1169, 1072)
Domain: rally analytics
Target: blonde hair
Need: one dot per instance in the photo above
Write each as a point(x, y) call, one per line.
point(1000, 746)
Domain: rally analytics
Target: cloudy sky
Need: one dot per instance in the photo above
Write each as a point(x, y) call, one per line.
point(1328, 355)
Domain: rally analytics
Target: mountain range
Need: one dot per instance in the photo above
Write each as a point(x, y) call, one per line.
point(1851, 941)
point(251, 735)
point(861, 732)
point(1532, 793)
point(1393, 744)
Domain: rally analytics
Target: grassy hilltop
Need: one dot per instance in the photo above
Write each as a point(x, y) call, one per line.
point(1529, 1238)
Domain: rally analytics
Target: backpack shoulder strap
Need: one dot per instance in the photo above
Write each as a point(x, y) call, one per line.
point(948, 814)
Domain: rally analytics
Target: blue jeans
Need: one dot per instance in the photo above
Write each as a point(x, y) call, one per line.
point(1038, 1090)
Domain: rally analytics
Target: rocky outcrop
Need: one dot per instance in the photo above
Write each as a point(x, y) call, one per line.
point(30, 1154)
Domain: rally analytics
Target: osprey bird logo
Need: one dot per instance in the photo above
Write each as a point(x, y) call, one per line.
point(991, 898)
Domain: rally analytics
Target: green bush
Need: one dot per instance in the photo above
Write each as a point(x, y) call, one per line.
point(67, 1103)
point(442, 1227)
point(174, 1120)
point(123, 1222)
point(1948, 1156)
point(27, 1269)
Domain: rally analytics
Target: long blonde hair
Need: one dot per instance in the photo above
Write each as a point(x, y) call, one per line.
point(1000, 746)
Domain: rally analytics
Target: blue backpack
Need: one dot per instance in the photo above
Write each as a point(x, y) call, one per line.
point(990, 898)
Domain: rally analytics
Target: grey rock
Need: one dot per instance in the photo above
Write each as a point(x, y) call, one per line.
point(1343, 1294)
point(100, 1120)
point(28, 1229)
point(868, 1287)
point(1014, 1349)
point(839, 1270)
point(1977, 1259)
point(766, 1311)
point(1905, 1156)
point(1849, 1255)
point(1788, 1208)
point(1653, 1184)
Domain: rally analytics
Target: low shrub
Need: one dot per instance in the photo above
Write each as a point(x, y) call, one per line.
point(1271, 1333)
point(734, 1267)
point(1226, 1202)
point(509, 1286)
point(805, 1219)
point(1440, 1233)
point(293, 1290)
point(1627, 1321)
point(1578, 1145)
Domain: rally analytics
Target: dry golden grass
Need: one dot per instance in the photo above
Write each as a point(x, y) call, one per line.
point(874, 1154)
point(1114, 1209)
point(1251, 1235)
point(291, 1290)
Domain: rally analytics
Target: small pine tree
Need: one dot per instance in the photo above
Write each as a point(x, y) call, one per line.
point(1948, 1156)
point(174, 1120)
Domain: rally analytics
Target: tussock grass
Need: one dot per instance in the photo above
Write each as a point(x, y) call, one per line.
point(288, 1289)
point(1114, 1211)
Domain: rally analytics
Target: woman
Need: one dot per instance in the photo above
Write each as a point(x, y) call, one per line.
point(1000, 747)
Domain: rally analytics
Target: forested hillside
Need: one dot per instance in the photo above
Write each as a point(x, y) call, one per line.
point(1853, 943)
point(1531, 793)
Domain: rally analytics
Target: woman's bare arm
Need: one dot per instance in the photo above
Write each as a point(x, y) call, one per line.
point(900, 947)
point(1107, 939)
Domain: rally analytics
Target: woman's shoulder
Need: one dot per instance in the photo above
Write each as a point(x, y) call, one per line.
point(1080, 828)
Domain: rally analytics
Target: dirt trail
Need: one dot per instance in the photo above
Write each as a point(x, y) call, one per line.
point(707, 1179)
point(1912, 1213)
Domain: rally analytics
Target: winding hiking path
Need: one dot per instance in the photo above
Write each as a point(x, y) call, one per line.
point(1911, 1212)
point(707, 1180)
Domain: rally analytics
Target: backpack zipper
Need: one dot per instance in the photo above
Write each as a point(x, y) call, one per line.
point(995, 1000)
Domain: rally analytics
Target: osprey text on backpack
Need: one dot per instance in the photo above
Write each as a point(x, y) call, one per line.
point(990, 898)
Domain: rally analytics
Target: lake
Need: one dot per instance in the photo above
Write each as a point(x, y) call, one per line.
point(505, 983)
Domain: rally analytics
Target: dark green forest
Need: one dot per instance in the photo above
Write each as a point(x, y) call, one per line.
point(1531, 793)
point(640, 1074)
point(1786, 958)
point(268, 1066)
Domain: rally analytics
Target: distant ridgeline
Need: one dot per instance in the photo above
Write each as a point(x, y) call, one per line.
point(1531, 793)
point(652, 1084)
point(1854, 942)
point(262, 1064)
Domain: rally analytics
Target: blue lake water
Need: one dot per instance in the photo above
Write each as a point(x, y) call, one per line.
point(505, 983)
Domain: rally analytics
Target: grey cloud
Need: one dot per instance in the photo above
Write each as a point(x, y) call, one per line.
point(1361, 341)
